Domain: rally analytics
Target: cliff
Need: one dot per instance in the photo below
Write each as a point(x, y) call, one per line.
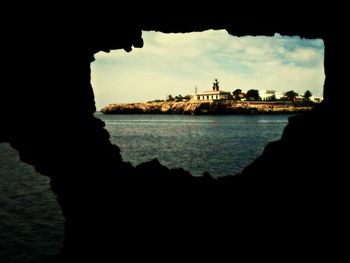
point(205, 107)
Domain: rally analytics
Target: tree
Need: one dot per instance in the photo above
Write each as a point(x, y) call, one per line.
point(187, 97)
point(170, 98)
point(178, 98)
point(307, 95)
point(236, 94)
point(291, 95)
point(252, 94)
point(272, 98)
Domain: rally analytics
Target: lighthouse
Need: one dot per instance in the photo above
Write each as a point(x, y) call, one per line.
point(213, 95)
point(216, 85)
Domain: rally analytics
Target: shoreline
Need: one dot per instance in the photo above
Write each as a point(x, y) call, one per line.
point(228, 107)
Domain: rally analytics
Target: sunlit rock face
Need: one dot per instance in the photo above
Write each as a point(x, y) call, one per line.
point(196, 107)
point(112, 208)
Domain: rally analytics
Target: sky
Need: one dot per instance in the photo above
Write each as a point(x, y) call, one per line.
point(177, 63)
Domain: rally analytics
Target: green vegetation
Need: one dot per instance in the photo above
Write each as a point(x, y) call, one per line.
point(237, 94)
point(272, 98)
point(252, 94)
point(178, 98)
point(291, 95)
point(307, 96)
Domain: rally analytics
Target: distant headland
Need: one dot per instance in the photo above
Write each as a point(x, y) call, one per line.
point(217, 101)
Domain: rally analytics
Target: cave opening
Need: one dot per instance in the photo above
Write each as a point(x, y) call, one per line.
point(177, 66)
point(63, 78)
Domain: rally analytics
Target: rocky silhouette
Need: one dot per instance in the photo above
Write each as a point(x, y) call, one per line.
point(113, 209)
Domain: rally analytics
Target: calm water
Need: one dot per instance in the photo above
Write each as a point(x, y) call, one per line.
point(31, 223)
point(221, 145)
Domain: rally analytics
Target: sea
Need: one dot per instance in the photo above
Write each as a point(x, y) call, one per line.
point(31, 222)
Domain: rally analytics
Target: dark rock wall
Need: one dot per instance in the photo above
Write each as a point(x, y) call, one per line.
point(112, 208)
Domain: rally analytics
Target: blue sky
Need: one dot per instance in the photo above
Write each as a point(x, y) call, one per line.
point(177, 63)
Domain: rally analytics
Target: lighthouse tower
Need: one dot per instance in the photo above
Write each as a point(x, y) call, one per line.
point(216, 85)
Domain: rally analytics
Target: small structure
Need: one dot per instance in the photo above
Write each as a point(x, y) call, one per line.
point(316, 99)
point(267, 94)
point(270, 95)
point(215, 94)
point(279, 95)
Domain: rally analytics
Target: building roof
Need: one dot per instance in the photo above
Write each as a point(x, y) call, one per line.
point(213, 92)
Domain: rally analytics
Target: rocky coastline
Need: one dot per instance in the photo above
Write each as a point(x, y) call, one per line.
point(204, 107)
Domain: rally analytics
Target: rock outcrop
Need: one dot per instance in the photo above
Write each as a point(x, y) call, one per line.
point(200, 107)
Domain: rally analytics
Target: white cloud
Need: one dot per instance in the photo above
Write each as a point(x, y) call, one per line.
point(302, 54)
point(176, 63)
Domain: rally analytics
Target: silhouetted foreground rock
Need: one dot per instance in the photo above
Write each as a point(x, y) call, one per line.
point(114, 210)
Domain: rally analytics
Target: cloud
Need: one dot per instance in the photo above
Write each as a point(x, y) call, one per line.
point(176, 63)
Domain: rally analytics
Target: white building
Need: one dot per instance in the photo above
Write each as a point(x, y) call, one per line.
point(267, 94)
point(270, 94)
point(212, 95)
point(279, 95)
